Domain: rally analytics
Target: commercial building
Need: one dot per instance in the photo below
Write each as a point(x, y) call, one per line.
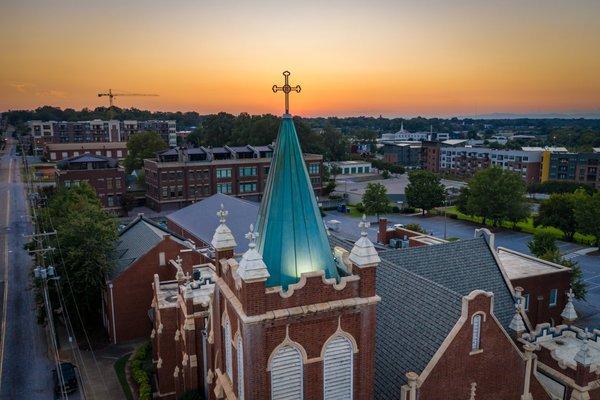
point(103, 174)
point(407, 154)
point(430, 156)
point(178, 177)
point(465, 161)
point(351, 167)
point(60, 151)
point(561, 165)
point(95, 130)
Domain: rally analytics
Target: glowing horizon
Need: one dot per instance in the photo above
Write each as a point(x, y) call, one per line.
point(392, 58)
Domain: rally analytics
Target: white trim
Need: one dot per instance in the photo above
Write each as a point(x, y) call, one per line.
point(112, 308)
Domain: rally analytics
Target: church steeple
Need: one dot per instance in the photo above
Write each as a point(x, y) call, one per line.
point(292, 237)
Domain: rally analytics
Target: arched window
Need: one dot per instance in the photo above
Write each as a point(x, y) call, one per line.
point(475, 339)
point(240, 368)
point(338, 369)
point(287, 378)
point(227, 345)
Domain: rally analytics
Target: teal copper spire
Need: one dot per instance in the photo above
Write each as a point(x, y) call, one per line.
point(292, 237)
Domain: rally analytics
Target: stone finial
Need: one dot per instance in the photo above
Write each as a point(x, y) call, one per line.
point(223, 239)
point(516, 324)
point(569, 314)
point(159, 363)
point(363, 253)
point(176, 372)
point(252, 266)
point(584, 355)
point(179, 275)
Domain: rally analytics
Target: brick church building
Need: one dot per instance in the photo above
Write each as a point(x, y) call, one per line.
point(305, 315)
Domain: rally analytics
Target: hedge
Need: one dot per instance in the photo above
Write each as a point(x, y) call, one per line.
point(139, 373)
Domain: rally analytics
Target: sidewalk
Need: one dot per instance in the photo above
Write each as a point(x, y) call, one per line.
point(101, 382)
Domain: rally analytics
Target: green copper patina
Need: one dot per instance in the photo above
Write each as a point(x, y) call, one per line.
point(292, 236)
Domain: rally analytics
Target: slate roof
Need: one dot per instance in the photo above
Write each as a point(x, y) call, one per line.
point(87, 158)
point(200, 219)
point(136, 239)
point(421, 293)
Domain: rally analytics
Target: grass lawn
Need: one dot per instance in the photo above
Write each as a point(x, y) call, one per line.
point(120, 370)
point(523, 226)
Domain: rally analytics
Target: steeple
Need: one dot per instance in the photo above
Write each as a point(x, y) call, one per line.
point(292, 237)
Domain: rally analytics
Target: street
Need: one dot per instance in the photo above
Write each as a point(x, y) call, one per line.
point(25, 370)
point(589, 310)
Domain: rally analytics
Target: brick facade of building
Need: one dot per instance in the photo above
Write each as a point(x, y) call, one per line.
point(55, 152)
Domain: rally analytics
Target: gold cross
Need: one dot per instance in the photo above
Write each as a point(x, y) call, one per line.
point(286, 89)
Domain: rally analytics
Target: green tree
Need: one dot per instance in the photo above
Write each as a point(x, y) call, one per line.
point(86, 236)
point(416, 228)
point(140, 146)
point(424, 190)
point(336, 145)
point(497, 195)
point(587, 215)
point(577, 282)
point(542, 243)
point(375, 200)
point(559, 211)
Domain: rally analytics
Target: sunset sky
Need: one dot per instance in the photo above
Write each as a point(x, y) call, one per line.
point(396, 58)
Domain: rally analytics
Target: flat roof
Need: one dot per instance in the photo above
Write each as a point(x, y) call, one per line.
point(518, 265)
point(86, 145)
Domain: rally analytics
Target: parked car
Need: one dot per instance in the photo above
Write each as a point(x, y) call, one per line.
point(398, 226)
point(69, 377)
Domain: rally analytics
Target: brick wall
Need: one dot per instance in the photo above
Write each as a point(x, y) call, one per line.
point(538, 287)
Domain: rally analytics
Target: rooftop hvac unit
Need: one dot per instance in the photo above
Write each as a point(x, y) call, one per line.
point(395, 243)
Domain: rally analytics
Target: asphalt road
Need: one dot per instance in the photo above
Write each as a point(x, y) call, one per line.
point(25, 368)
point(589, 310)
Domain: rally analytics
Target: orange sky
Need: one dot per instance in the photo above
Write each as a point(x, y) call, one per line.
point(352, 58)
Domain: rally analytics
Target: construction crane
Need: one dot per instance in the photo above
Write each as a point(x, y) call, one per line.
point(110, 95)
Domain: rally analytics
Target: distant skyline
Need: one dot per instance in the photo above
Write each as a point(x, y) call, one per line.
point(394, 58)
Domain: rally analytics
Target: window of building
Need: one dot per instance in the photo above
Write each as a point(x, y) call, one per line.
point(287, 375)
point(247, 171)
point(475, 339)
point(65, 154)
point(224, 188)
point(526, 302)
point(266, 170)
point(108, 153)
point(553, 297)
point(315, 180)
point(247, 187)
point(165, 192)
point(313, 168)
point(109, 183)
point(227, 344)
point(223, 173)
point(240, 368)
point(119, 153)
point(162, 259)
point(338, 369)
point(118, 183)
point(110, 201)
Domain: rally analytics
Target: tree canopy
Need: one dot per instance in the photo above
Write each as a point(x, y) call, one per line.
point(496, 195)
point(142, 145)
point(587, 215)
point(375, 200)
point(559, 211)
point(424, 190)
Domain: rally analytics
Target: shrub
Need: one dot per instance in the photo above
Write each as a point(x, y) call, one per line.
point(409, 210)
point(416, 228)
point(360, 208)
point(140, 372)
point(395, 209)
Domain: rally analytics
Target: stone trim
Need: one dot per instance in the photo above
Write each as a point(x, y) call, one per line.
point(478, 313)
point(456, 329)
point(288, 342)
point(303, 279)
point(339, 332)
point(285, 312)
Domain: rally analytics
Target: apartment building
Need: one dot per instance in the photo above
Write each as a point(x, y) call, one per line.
point(103, 174)
point(60, 151)
point(430, 156)
point(465, 161)
point(95, 130)
point(402, 153)
point(562, 165)
point(178, 177)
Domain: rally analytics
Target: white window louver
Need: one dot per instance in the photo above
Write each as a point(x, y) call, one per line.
point(287, 380)
point(475, 340)
point(338, 370)
point(240, 368)
point(227, 345)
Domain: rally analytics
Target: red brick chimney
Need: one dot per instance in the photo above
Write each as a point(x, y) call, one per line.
point(382, 232)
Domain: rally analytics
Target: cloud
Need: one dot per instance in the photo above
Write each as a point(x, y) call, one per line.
point(21, 87)
point(59, 94)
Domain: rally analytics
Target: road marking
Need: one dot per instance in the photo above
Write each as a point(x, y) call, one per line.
point(5, 301)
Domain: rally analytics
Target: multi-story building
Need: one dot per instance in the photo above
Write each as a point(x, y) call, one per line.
point(465, 161)
point(95, 130)
point(573, 167)
point(103, 174)
point(430, 156)
point(402, 153)
point(178, 177)
point(60, 151)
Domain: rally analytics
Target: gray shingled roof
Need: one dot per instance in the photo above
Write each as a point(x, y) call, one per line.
point(200, 219)
point(421, 293)
point(139, 237)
